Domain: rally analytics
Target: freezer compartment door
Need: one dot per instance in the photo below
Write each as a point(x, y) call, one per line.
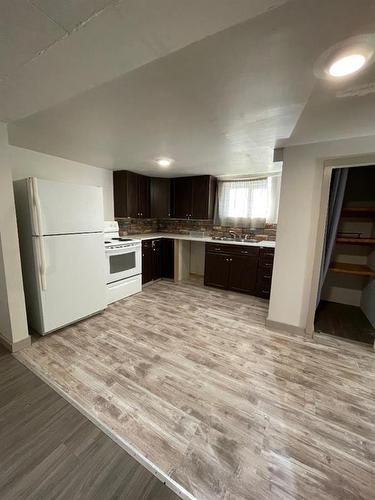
point(71, 273)
point(62, 208)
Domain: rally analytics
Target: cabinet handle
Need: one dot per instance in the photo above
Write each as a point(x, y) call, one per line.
point(244, 251)
point(267, 276)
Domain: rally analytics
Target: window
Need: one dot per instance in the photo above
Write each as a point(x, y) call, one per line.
point(248, 202)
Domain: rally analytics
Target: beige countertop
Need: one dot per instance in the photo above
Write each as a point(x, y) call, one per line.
point(207, 239)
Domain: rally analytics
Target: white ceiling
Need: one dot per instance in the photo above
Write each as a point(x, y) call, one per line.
point(219, 105)
point(122, 36)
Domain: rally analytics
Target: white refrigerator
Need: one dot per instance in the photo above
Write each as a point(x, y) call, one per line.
point(60, 228)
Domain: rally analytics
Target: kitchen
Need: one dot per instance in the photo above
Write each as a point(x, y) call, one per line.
point(54, 236)
point(179, 237)
point(169, 236)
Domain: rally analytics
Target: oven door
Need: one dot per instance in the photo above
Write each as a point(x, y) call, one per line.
point(123, 262)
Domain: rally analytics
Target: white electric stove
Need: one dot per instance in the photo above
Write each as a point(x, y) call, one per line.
point(123, 263)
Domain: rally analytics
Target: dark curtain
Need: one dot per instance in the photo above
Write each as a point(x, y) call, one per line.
point(336, 198)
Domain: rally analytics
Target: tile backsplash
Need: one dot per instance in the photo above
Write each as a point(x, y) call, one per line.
point(183, 226)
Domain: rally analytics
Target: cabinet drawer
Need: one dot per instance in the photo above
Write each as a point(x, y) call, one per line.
point(266, 255)
point(232, 249)
point(265, 267)
point(264, 293)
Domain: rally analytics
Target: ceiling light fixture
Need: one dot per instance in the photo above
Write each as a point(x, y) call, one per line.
point(346, 58)
point(347, 65)
point(164, 162)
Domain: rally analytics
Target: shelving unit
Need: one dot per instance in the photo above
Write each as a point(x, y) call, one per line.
point(359, 213)
point(356, 241)
point(357, 269)
point(365, 212)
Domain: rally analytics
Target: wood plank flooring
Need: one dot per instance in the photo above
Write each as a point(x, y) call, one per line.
point(48, 450)
point(191, 378)
point(344, 321)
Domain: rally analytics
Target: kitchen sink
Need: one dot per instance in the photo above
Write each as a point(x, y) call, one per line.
point(229, 238)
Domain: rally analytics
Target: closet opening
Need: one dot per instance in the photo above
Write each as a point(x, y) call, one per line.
point(346, 294)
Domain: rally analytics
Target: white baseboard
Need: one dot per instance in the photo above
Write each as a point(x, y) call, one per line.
point(15, 346)
point(284, 327)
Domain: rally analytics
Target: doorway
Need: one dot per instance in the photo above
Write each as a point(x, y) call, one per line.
point(346, 292)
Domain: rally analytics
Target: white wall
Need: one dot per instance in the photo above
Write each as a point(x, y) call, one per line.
point(300, 198)
point(27, 163)
point(13, 325)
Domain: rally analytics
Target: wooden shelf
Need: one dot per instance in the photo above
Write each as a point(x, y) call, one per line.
point(356, 241)
point(358, 269)
point(366, 212)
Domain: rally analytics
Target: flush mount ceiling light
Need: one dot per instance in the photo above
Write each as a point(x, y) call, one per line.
point(347, 65)
point(346, 58)
point(164, 162)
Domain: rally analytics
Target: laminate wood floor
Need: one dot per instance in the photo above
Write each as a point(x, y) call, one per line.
point(49, 450)
point(228, 409)
point(344, 321)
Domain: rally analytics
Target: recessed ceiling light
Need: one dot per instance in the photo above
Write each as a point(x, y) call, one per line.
point(347, 65)
point(346, 58)
point(164, 162)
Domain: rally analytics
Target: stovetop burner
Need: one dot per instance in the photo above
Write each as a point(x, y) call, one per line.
point(121, 239)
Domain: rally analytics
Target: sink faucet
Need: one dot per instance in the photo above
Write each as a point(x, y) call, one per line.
point(233, 234)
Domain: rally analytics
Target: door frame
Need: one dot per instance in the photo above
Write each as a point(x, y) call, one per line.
point(328, 167)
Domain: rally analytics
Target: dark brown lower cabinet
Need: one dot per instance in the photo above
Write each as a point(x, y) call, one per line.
point(167, 258)
point(216, 270)
point(264, 274)
point(243, 273)
point(147, 261)
point(157, 259)
point(241, 268)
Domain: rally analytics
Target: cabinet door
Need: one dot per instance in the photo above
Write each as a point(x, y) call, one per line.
point(203, 196)
point(160, 192)
point(120, 193)
point(200, 195)
point(147, 261)
point(132, 194)
point(216, 271)
point(167, 258)
point(143, 196)
point(243, 273)
point(182, 197)
point(156, 259)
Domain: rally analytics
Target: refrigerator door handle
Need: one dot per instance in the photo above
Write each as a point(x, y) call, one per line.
point(37, 209)
point(42, 265)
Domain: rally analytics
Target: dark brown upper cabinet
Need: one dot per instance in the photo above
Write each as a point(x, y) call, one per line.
point(193, 197)
point(182, 189)
point(160, 191)
point(131, 194)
